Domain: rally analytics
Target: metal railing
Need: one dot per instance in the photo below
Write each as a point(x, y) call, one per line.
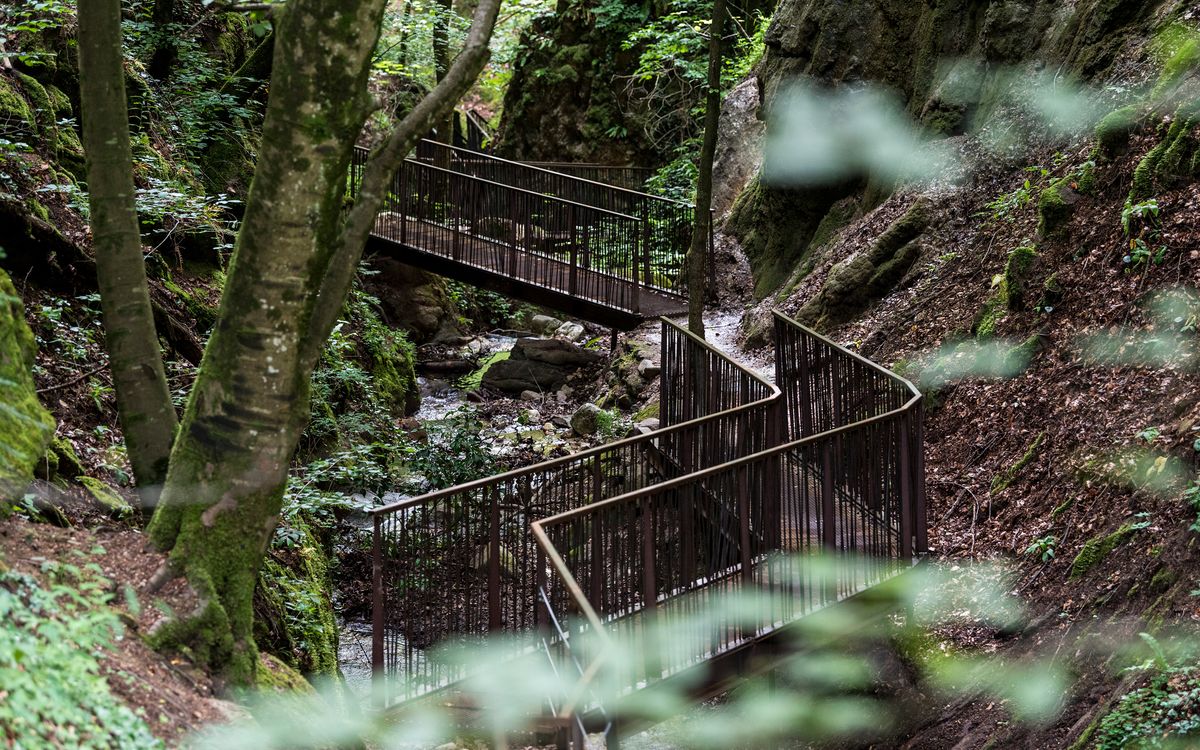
point(849, 484)
point(666, 224)
point(630, 178)
point(545, 240)
point(461, 562)
point(478, 135)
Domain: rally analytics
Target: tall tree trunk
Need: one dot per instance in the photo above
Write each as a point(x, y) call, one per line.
point(441, 65)
point(292, 268)
point(163, 57)
point(143, 398)
point(698, 251)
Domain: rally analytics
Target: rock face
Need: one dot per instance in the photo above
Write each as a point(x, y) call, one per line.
point(739, 146)
point(25, 427)
point(412, 299)
point(537, 365)
point(950, 61)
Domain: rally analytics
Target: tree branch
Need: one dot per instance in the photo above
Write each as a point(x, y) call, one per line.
point(381, 167)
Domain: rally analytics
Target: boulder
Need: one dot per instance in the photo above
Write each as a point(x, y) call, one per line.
point(570, 331)
point(586, 420)
point(538, 365)
point(553, 352)
point(25, 427)
point(544, 325)
point(412, 299)
point(531, 396)
point(739, 145)
point(648, 369)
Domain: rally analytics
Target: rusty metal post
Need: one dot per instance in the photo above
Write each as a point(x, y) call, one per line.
point(649, 588)
point(377, 666)
point(512, 249)
point(918, 448)
point(573, 278)
point(828, 508)
point(637, 292)
point(495, 620)
point(647, 276)
point(773, 483)
point(906, 493)
point(403, 198)
point(454, 199)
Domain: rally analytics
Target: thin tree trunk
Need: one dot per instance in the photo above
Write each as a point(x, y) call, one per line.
point(291, 271)
point(163, 58)
point(698, 252)
point(143, 397)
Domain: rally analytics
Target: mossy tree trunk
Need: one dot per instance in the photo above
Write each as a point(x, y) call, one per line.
point(143, 397)
point(698, 251)
point(293, 264)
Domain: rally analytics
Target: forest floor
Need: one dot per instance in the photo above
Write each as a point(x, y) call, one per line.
point(1076, 447)
point(173, 697)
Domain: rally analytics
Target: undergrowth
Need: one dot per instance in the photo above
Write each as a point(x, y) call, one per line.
point(52, 691)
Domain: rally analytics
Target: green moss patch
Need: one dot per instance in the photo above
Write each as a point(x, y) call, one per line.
point(867, 276)
point(106, 497)
point(1115, 129)
point(294, 606)
point(1099, 547)
point(1003, 480)
point(26, 428)
point(1056, 205)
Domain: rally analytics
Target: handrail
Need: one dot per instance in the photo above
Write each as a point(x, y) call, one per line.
point(515, 189)
point(533, 166)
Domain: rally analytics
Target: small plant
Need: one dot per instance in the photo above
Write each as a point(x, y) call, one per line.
point(1148, 435)
point(1192, 496)
point(1143, 229)
point(1043, 547)
point(1161, 714)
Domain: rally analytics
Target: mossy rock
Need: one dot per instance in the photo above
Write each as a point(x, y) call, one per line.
point(776, 228)
point(26, 428)
point(394, 373)
point(1173, 161)
point(1115, 129)
point(15, 111)
point(1056, 205)
point(856, 282)
point(105, 497)
point(60, 462)
point(649, 411)
point(1099, 547)
point(275, 676)
point(1162, 580)
point(60, 101)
